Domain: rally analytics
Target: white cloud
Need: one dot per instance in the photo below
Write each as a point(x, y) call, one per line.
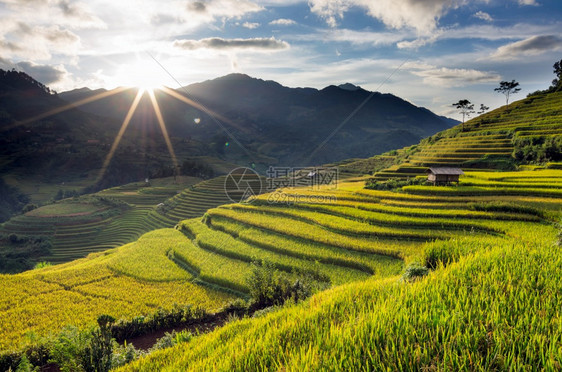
point(250, 25)
point(419, 15)
point(353, 37)
point(531, 46)
point(449, 77)
point(216, 43)
point(483, 16)
point(330, 10)
point(283, 22)
point(527, 2)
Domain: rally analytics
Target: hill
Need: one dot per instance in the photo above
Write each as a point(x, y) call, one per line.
point(338, 236)
point(74, 227)
point(528, 131)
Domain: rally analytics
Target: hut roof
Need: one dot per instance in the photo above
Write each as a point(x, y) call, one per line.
point(445, 171)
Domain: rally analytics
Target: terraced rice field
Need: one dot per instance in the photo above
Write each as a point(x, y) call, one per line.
point(495, 243)
point(74, 232)
point(489, 135)
point(353, 236)
point(130, 281)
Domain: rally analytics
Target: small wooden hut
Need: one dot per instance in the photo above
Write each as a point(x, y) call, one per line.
point(443, 176)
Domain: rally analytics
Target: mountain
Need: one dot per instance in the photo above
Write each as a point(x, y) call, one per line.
point(280, 125)
point(52, 142)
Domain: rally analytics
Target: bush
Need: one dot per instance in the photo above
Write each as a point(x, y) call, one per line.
point(98, 353)
point(269, 287)
point(394, 183)
point(42, 264)
point(172, 339)
point(414, 271)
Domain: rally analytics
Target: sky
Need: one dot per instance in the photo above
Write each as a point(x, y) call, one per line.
point(429, 52)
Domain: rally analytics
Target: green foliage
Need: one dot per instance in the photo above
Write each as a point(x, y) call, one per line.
point(42, 264)
point(197, 169)
point(25, 365)
point(269, 287)
point(393, 183)
point(124, 354)
point(12, 200)
point(97, 355)
point(171, 339)
point(414, 271)
point(537, 149)
point(67, 348)
point(161, 319)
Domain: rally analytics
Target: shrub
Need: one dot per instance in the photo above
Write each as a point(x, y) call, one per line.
point(269, 287)
point(394, 183)
point(98, 353)
point(172, 339)
point(42, 264)
point(125, 354)
point(67, 349)
point(414, 271)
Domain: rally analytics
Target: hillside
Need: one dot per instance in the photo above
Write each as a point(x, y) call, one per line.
point(74, 227)
point(528, 131)
point(461, 277)
point(341, 235)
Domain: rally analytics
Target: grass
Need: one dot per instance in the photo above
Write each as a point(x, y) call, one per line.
point(459, 318)
point(133, 280)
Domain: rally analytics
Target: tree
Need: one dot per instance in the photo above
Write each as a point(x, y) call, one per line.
point(465, 107)
point(483, 109)
point(557, 82)
point(507, 88)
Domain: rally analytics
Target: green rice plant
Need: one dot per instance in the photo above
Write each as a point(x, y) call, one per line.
point(373, 264)
point(228, 246)
point(473, 314)
point(313, 233)
point(336, 224)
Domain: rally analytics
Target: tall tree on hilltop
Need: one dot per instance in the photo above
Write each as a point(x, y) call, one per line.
point(507, 88)
point(465, 107)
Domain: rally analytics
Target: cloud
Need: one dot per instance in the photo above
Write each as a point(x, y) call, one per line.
point(251, 25)
point(81, 14)
point(353, 37)
point(483, 16)
point(222, 8)
point(450, 77)
point(531, 46)
point(197, 7)
point(330, 10)
point(217, 43)
point(43, 73)
point(527, 2)
point(419, 15)
point(282, 22)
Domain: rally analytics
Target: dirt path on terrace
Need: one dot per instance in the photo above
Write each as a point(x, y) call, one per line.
point(146, 341)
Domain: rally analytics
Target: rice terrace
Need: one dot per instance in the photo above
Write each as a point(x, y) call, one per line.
point(241, 224)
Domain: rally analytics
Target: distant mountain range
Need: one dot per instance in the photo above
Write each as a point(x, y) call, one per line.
point(48, 139)
point(281, 125)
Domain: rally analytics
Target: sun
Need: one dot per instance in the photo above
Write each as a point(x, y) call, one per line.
point(142, 73)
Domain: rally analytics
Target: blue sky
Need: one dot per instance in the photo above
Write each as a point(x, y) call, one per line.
point(429, 52)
